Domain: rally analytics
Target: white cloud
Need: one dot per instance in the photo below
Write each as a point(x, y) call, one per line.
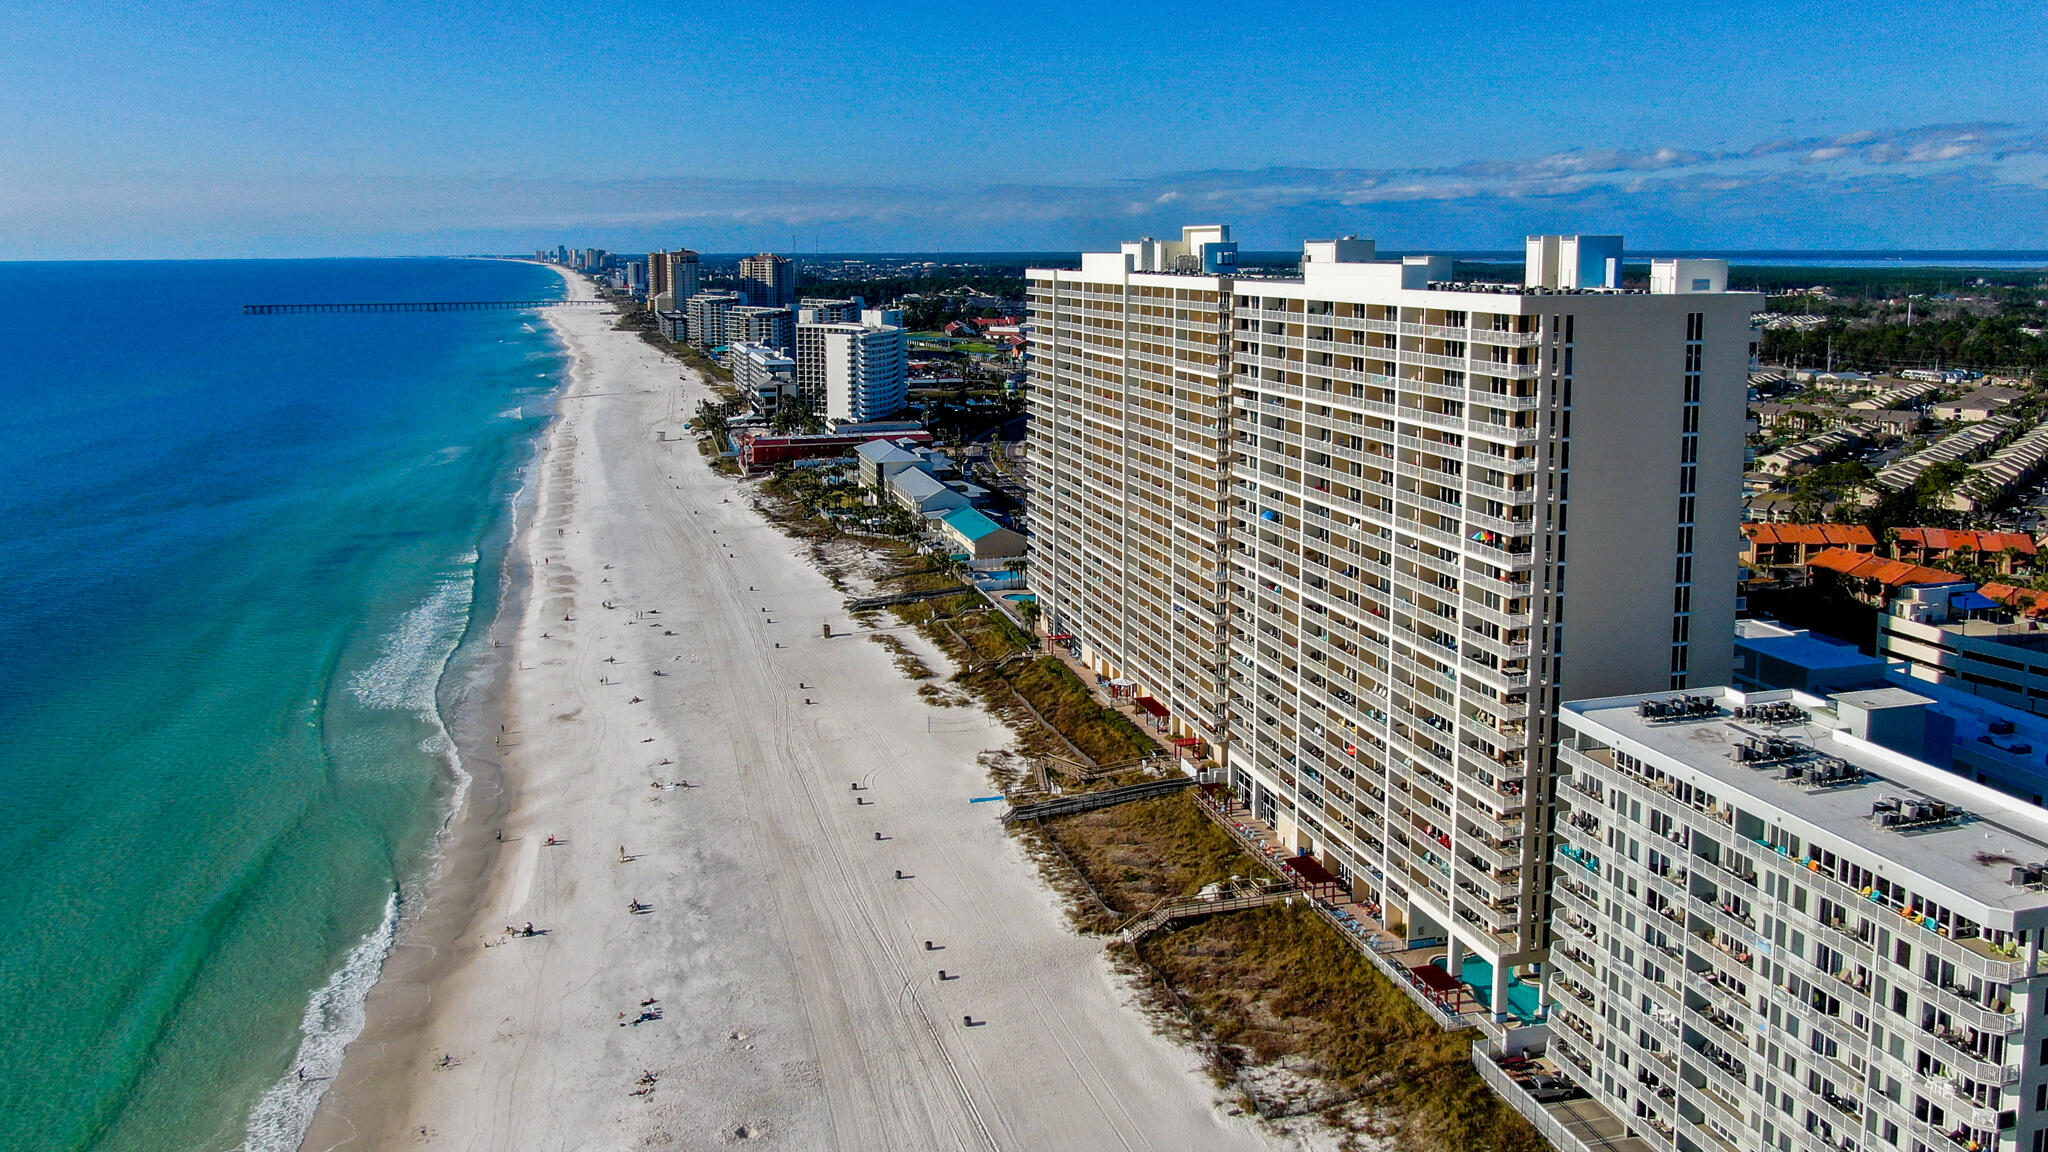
point(1960, 185)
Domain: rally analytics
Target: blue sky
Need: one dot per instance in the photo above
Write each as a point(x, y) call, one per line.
point(230, 129)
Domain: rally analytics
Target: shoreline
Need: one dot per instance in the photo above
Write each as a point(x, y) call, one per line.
point(462, 861)
point(745, 950)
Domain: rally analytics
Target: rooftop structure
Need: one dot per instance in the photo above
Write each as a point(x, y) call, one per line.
point(1992, 743)
point(1951, 633)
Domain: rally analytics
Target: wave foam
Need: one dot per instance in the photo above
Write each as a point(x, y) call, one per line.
point(416, 652)
point(333, 1019)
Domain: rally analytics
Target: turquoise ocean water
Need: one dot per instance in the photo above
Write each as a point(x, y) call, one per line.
point(241, 560)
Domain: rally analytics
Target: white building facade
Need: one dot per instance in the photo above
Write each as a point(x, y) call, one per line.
point(707, 312)
point(764, 374)
point(1772, 932)
point(748, 324)
point(1419, 479)
point(857, 372)
point(1128, 450)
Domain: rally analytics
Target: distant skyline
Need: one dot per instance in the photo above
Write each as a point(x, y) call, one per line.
point(374, 128)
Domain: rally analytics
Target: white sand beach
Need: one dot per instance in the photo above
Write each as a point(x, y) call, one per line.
point(778, 984)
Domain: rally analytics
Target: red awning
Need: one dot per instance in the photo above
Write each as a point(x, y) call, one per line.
point(1061, 636)
point(1151, 705)
point(1311, 870)
point(1435, 978)
point(1187, 741)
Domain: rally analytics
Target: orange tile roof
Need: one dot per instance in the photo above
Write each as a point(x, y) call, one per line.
point(2026, 599)
point(1953, 539)
point(1831, 535)
point(1890, 573)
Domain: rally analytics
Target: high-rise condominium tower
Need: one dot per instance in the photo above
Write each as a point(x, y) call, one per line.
point(1360, 527)
point(768, 281)
point(1129, 451)
point(672, 278)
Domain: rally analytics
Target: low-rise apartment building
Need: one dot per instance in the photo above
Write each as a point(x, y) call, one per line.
point(764, 374)
point(1772, 931)
point(1951, 633)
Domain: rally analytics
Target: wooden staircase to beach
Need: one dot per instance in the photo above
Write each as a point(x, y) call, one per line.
point(1245, 894)
point(1086, 801)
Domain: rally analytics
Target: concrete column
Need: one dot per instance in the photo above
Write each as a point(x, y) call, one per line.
point(1454, 954)
point(1500, 992)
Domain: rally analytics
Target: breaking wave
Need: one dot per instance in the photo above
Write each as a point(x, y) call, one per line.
point(333, 1019)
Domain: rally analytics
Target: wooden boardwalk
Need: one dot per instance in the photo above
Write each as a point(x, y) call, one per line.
point(1086, 801)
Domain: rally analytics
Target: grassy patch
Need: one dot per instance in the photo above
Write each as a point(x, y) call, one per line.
point(907, 662)
point(1137, 854)
point(1276, 983)
point(1107, 736)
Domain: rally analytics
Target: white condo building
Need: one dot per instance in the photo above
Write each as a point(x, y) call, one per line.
point(827, 310)
point(706, 314)
point(1773, 932)
point(852, 373)
point(763, 373)
point(1360, 528)
point(748, 324)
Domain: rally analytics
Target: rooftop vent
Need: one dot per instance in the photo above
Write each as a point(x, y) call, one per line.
point(2029, 875)
point(1908, 813)
point(1824, 772)
point(1678, 708)
point(1766, 750)
point(1778, 712)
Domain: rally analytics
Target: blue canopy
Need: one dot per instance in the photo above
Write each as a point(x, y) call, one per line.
point(1971, 602)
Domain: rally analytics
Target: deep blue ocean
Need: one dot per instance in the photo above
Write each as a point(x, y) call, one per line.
point(242, 556)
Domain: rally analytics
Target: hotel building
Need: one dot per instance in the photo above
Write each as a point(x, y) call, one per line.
point(1773, 931)
point(1363, 532)
point(856, 372)
point(750, 324)
point(1129, 460)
